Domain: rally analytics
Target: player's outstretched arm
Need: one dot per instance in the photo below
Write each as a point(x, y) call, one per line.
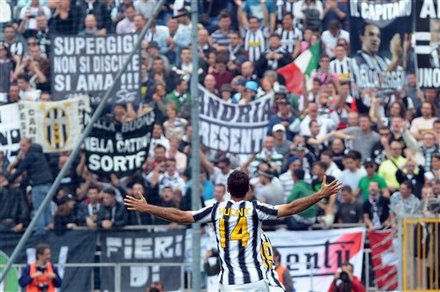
point(300, 205)
point(140, 204)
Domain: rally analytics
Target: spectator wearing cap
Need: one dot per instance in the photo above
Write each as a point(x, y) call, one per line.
point(282, 145)
point(218, 173)
point(221, 74)
point(274, 57)
point(66, 216)
point(153, 52)
point(238, 86)
point(301, 189)
point(113, 213)
point(361, 191)
point(226, 93)
point(182, 38)
point(250, 92)
point(350, 209)
point(299, 150)
point(331, 36)
point(284, 116)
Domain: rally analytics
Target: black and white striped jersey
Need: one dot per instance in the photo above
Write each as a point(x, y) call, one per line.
point(341, 67)
point(237, 227)
point(255, 44)
point(371, 71)
point(289, 38)
point(268, 261)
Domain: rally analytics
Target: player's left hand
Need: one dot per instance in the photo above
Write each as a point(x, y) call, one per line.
point(138, 203)
point(331, 188)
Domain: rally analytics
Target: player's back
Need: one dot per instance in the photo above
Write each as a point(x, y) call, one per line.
point(238, 232)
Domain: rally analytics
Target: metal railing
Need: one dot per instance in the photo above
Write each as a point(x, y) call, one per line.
point(117, 270)
point(420, 254)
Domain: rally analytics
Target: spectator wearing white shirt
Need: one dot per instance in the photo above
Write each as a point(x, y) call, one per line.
point(327, 122)
point(26, 91)
point(28, 16)
point(145, 7)
point(126, 25)
point(158, 138)
point(166, 175)
point(352, 174)
point(331, 36)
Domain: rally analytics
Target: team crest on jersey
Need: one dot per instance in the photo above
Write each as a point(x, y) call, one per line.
point(56, 127)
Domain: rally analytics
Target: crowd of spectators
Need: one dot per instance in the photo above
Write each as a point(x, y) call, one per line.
point(385, 152)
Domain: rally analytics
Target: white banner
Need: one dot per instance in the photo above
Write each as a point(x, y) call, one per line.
point(10, 130)
point(233, 128)
point(56, 125)
point(324, 250)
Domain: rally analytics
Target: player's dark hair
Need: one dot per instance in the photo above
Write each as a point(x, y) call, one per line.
point(238, 184)
point(364, 27)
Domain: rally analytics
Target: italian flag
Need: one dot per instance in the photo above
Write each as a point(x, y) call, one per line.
point(296, 73)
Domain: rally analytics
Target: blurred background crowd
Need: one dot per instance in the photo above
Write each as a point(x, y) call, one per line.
point(384, 149)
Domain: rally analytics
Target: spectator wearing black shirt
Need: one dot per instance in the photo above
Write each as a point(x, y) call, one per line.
point(14, 210)
point(275, 56)
point(66, 215)
point(65, 20)
point(350, 210)
point(89, 209)
point(32, 160)
point(376, 209)
point(113, 213)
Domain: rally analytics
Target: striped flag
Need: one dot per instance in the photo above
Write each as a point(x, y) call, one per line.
point(297, 72)
point(385, 259)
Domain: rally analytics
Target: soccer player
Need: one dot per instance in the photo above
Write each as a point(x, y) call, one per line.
point(237, 225)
